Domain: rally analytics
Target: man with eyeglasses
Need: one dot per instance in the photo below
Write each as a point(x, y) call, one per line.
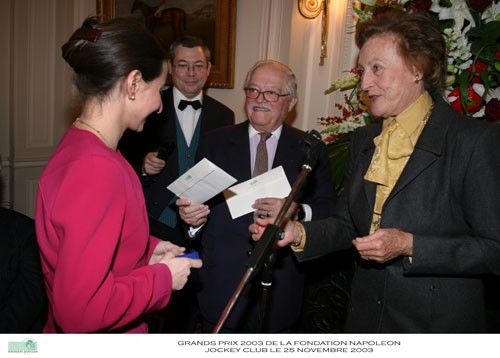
point(271, 93)
point(167, 146)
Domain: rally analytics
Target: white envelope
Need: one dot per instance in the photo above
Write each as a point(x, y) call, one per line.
point(271, 184)
point(202, 182)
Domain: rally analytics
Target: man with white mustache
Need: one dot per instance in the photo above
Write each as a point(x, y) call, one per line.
point(271, 93)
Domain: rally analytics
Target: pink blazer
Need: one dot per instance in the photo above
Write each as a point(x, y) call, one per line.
point(92, 229)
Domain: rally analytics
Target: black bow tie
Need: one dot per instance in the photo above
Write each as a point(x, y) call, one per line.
point(195, 104)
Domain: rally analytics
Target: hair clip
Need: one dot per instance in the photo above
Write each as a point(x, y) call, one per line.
point(87, 34)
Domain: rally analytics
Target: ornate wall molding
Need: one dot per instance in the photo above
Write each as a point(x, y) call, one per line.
point(38, 100)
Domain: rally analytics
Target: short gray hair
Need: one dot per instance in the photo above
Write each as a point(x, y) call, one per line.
point(291, 85)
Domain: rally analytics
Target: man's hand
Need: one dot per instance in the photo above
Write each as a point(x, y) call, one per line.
point(270, 207)
point(152, 164)
point(192, 214)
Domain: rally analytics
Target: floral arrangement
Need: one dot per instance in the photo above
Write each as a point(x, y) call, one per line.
point(471, 29)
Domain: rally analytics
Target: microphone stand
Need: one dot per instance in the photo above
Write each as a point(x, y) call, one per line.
point(264, 255)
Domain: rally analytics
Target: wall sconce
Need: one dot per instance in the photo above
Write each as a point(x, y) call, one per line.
point(310, 9)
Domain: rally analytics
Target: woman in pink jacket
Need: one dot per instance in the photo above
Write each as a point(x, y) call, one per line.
point(102, 270)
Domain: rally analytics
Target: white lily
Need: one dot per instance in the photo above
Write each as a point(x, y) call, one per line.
point(368, 2)
point(458, 51)
point(492, 13)
point(493, 94)
point(480, 113)
point(451, 99)
point(459, 11)
point(479, 89)
point(349, 124)
point(345, 81)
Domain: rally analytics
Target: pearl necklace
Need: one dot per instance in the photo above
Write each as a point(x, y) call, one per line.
point(95, 130)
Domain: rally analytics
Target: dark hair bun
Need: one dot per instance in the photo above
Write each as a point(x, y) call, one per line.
point(102, 53)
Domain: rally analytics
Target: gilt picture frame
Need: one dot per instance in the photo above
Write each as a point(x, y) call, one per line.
point(212, 20)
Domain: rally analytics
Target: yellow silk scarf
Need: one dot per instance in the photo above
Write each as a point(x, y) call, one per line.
point(393, 148)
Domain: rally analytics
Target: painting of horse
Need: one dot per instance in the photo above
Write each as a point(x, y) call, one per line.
point(173, 16)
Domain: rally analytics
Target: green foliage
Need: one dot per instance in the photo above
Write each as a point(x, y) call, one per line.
point(337, 153)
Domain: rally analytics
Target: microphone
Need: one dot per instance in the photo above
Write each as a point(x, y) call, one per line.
point(309, 143)
point(166, 148)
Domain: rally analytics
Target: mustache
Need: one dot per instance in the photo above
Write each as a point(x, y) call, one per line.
point(261, 106)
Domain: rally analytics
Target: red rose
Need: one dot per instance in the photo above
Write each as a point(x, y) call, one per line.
point(475, 79)
point(477, 67)
point(480, 5)
point(423, 5)
point(474, 101)
point(492, 110)
point(456, 102)
point(381, 10)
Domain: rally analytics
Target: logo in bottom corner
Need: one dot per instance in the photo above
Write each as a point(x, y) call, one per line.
point(25, 346)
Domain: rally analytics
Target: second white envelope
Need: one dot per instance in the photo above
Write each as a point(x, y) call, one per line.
point(271, 184)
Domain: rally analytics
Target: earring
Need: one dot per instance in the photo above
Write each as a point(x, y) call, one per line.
point(134, 84)
point(417, 78)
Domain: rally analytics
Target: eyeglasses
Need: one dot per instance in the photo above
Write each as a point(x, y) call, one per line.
point(184, 67)
point(270, 96)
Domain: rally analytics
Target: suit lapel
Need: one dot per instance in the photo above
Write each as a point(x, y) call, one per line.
point(238, 153)
point(288, 151)
point(205, 125)
point(171, 115)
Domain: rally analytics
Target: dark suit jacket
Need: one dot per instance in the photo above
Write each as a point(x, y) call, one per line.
point(23, 302)
point(160, 128)
point(448, 197)
point(226, 242)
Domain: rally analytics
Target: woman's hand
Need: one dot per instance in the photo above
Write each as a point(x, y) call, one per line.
point(291, 235)
point(384, 245)
point(163, 248)
point(180, 267)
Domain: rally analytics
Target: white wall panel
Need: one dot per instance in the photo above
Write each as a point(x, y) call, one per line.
point(305, 48)
point(41, 103)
